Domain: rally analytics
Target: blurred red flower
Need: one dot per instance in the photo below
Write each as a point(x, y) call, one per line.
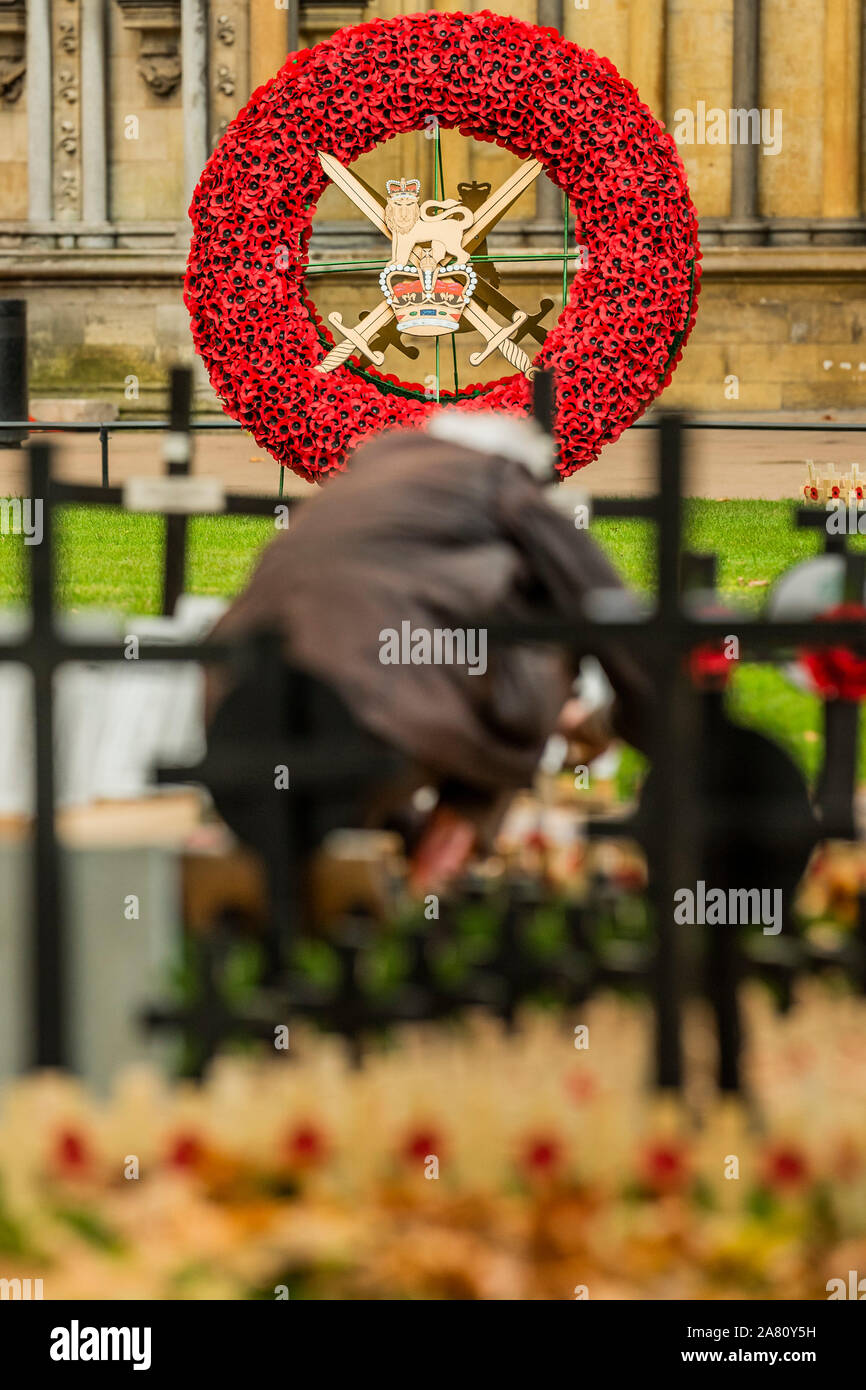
point(664, 1167)
point(71, 1152)
point(541, 1156)
point(306, 1146)
point(186, 1151)
point(785, 1167)
point(838, 672)
point(419, 1144)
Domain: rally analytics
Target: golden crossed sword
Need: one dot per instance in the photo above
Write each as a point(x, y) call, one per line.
point(497, 337)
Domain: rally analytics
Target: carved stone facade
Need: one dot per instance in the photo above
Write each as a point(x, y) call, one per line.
point(66, 36)
point(93, 226)
point(229, 63)
point(157, 23)
point(13, 63)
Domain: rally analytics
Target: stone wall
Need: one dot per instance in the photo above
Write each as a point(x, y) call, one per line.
point(13, 110)
point(777, 330)
point(145, 123)
point(783, 308)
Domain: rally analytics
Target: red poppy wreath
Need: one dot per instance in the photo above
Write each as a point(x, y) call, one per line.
point(495, 79)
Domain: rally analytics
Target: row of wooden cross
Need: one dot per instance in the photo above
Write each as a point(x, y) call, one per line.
point(824, 485)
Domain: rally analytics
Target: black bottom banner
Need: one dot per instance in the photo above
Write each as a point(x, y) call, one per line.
point(84, 1339)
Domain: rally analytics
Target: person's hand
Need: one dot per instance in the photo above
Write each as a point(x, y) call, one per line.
point(442, 851)
point(588, 731)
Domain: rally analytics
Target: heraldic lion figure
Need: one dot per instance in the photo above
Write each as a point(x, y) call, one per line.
point(411, 223)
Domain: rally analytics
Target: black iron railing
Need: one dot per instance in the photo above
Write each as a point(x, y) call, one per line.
point(18, 431)
point(511, 970)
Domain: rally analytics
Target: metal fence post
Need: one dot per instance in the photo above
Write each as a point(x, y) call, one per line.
point(177, 451)
point(14, 403)
point(669, 849)
point(48, 943)
point(103, 452)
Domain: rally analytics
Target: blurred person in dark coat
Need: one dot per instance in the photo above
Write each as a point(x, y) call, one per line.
point(442, 530)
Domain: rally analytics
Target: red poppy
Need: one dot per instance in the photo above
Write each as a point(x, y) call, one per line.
point(838, 672)
point(71, 1152)
point(253, 322)
point(306, 1146)
point(709, 666)
point(541, 1156)
point(186, 1151)
point(665, 1167)
point(785, 1167)
point(582, 1087)
point(419, 1144)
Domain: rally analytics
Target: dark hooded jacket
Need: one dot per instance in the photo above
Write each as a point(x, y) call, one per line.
point(446, 537)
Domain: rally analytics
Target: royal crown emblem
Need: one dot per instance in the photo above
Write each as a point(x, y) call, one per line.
point(427, 300)
point(396, 187)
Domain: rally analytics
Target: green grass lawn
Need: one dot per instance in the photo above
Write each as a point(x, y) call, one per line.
point(113, 559)
point(755, 542)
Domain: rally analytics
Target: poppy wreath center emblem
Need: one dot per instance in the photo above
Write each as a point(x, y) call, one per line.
point(309, 391)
